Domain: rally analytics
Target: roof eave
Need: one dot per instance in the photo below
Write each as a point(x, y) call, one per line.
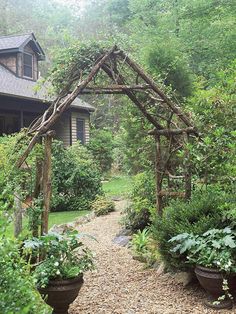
point(11, 50)
point(46, 102)
point(24, 97)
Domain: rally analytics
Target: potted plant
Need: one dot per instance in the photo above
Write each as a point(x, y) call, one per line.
point(214, 256)
point(59, 261)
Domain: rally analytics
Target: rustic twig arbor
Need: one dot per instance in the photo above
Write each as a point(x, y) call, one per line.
point(171, 127)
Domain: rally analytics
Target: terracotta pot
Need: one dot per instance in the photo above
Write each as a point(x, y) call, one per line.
point(212, 280)
point(59, 294)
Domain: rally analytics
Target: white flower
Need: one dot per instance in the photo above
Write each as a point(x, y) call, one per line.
point(56, 264)
point(58, 272)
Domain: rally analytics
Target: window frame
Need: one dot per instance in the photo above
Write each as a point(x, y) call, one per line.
point(32, 65)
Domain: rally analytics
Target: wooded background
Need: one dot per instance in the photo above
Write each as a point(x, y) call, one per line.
point(189, 46)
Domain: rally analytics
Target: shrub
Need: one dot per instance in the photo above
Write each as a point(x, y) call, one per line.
point(76, 179)
point(138, 214)
point(101, 146)
point(102, 206)
point(17, 290)
point(203, 212)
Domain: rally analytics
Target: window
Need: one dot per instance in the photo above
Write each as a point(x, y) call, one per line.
point(80, 126)
point(28, 65)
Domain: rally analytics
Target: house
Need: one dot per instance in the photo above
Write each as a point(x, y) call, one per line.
point(21, 104)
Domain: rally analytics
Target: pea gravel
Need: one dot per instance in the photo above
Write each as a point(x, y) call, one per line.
point(121, 285)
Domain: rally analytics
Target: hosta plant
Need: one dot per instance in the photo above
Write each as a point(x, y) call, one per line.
point(57, 256)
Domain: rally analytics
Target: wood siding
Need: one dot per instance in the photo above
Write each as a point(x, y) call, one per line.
point(74, 117)
point(9, 61)
point(26, 111)
point(62, 128)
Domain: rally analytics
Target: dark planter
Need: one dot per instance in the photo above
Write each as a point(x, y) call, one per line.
point(59, 294)
point(212, 280)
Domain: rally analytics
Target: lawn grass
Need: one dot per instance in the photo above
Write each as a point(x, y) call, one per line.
point(118, 186)
point(56, 218)
point(64, 217)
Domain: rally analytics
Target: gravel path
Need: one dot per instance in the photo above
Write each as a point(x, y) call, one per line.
point(121, 285)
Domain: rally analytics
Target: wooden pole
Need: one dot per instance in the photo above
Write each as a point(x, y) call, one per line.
point(46, 182)
point(17, 215)
point(158, 175)
point(133, 98)
point(36, 193)
point(152, 84)
point(188, 172)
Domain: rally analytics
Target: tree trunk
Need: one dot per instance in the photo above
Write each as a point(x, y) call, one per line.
point(158, 176)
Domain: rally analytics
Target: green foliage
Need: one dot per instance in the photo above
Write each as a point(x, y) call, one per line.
point(64, 256)
point(144, 246)
point(137, 147)
point(102, 206)
point(139, 213)
point(72, 62)
point(17, 290)
point(205, 211)
point(140, 240)
point(101, 146)
point(214, 109)
point(167, 60)
point(76, 179)
point(12, 178)
point(34, 212)
point(215, 248)
point(118, 186)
